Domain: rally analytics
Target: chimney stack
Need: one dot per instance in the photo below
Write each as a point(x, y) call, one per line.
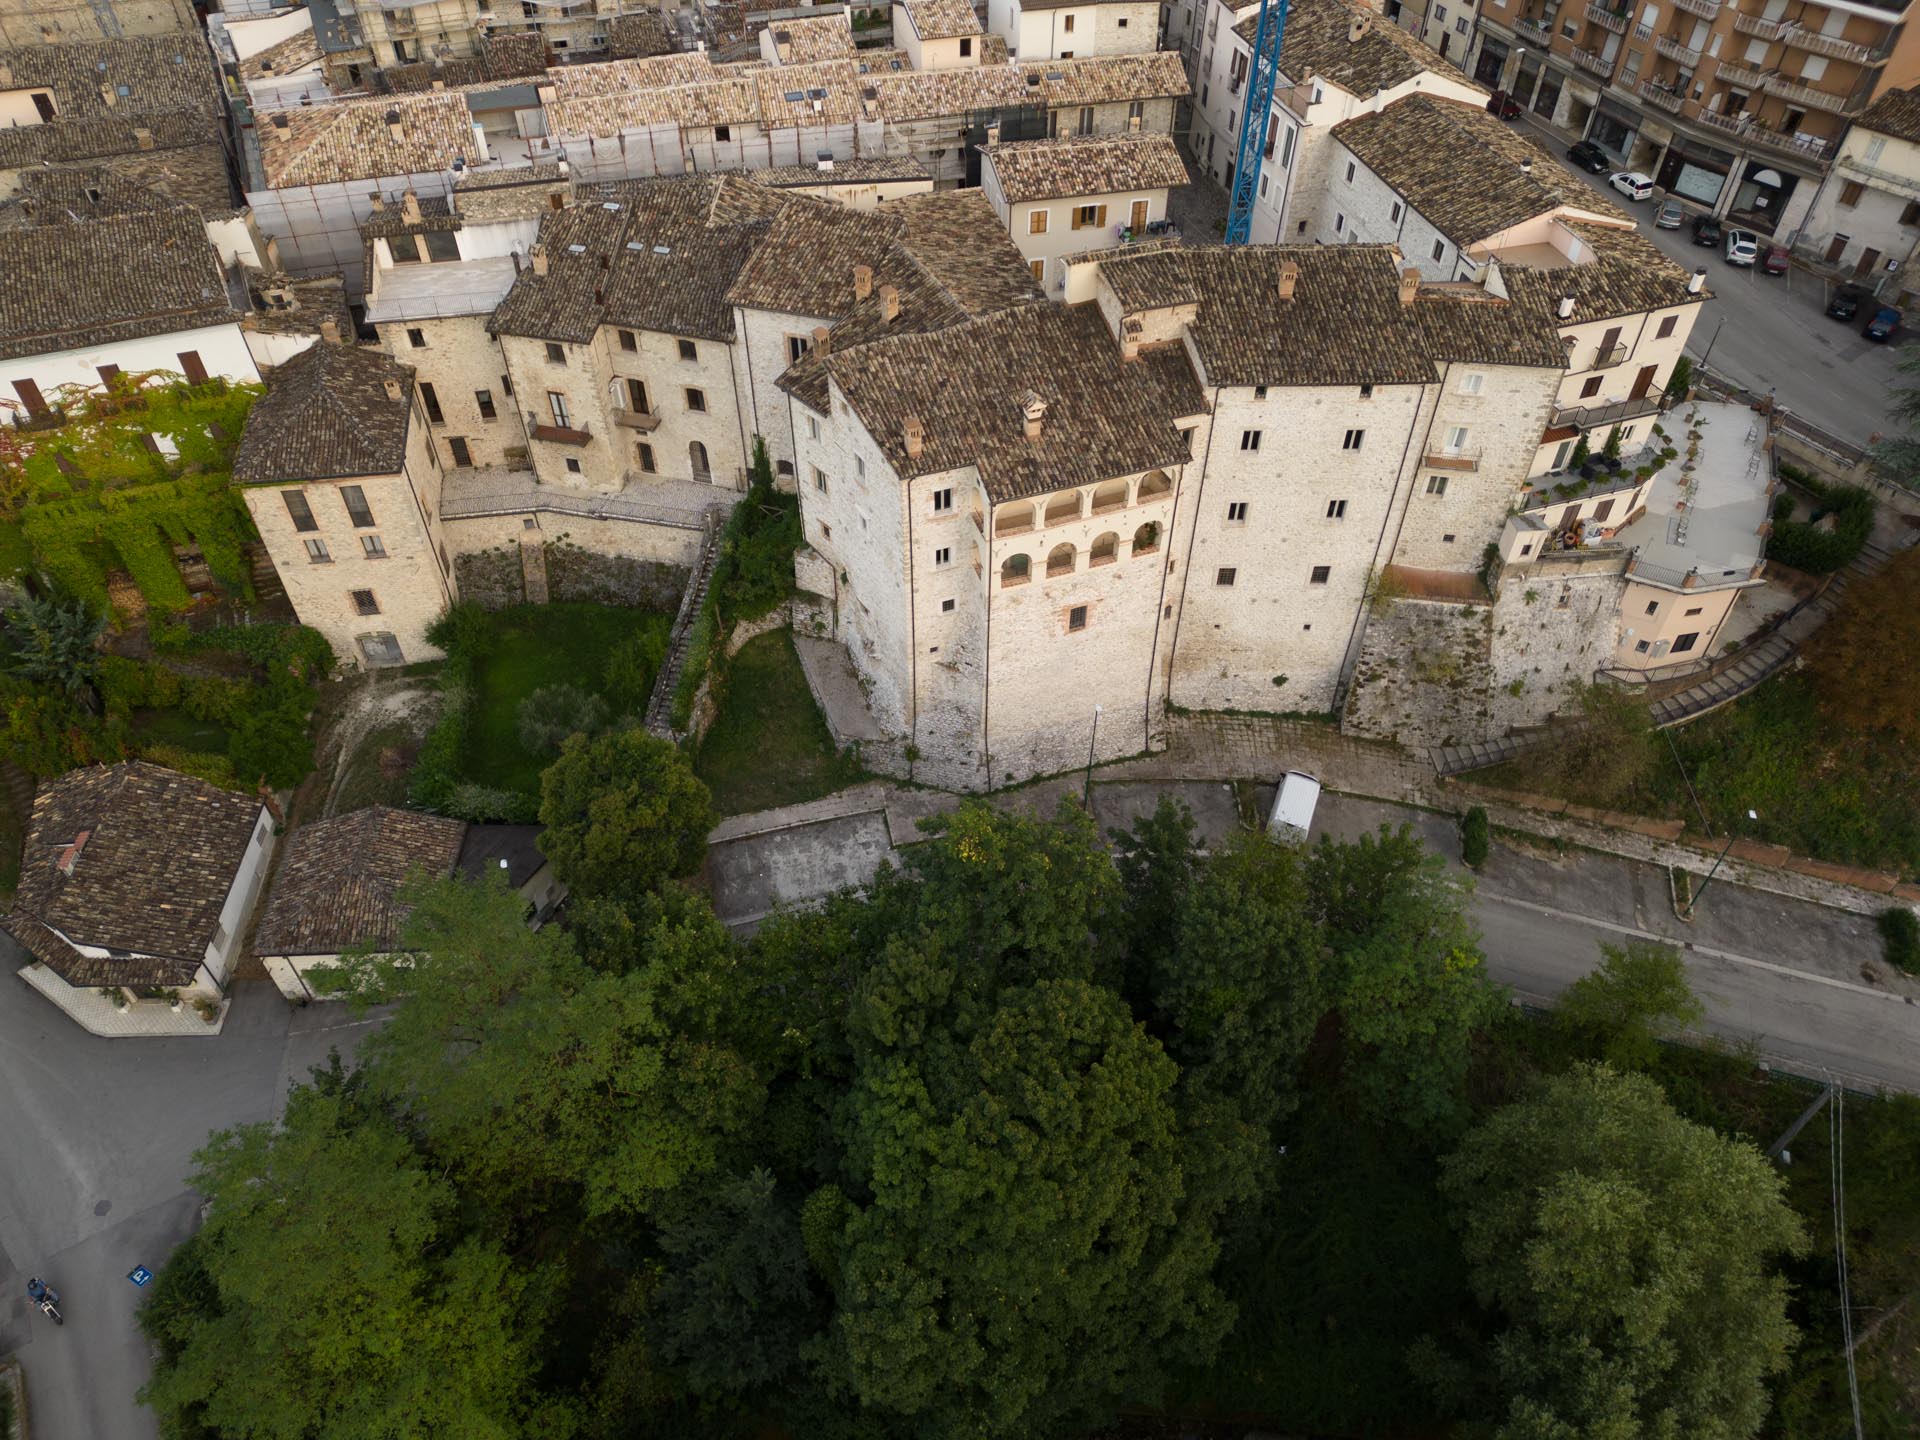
point(1033, 410)
point(1289, 277)
point(993, 134)
point(330, 330)
point(1409, 285)
point(410, 207)
point(107, 95)
point(1357, 30)
point(1697, 280)
point(889, 303)
point(394, 390)
point(539, 257)
point(1526, 166)
point(394, 127)
point(915, 434)
point(378, 201)
point(862, 281)
point(820, 339)
point(143, 137)
point(1566, 307)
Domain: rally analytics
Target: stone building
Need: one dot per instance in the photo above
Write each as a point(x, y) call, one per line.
point(147, 109)
point(1067, 29)
point(80, 22)
point(1737, 108)
point(344, 486)
point(1059, 198)
point(1864, 222)
point(937, 34)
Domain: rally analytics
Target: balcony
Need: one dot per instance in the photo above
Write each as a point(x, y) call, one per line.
point(1800, 39)
point(1806, 147)
point(1665, 97)
point(1597, 64)
point(39, 420)
point(1683, 55)
point(1466, 458)
point(1728, 124)
point(1761, 29)
point(559, 434)
point(1614, 20)
point(1534, 27)
point(1812, 99)
point(1607, 359)
point(1586, 417)
point(644, 420)
point(1705, 9)
point(1749, 77)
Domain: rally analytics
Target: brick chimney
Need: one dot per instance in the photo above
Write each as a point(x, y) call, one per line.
point(862, 281)
point(143, 137)
point(394, 127)
point(1289, 277)
point(1358, 28)
point(889, 303)
point(915, 434)
point(993, 134)
point(820, 339)
point(1409, 285)
point(395, 391)
point(1033, 410)
point(330, 330)
point(539, 257)
point(410, 207)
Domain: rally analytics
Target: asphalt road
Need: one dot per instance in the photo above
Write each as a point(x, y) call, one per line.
point(1769, 332)
point(97, 1137)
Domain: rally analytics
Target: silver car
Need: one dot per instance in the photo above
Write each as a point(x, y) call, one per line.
point(1671, 215)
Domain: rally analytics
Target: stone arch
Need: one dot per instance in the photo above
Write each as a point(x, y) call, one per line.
point(1146, 539)
point(1155, 485)
point(1012, 519)
point(697, 458)
point(1015, 570)
point(1109, 497)
point(1061, 559)
point(1105, 549)
point(1063, 507)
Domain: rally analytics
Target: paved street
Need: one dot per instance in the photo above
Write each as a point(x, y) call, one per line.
point(97, 1136)
point(1769, 332)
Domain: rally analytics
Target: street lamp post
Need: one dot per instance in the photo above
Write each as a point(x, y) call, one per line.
point(1086, 797)
point(1687, 914)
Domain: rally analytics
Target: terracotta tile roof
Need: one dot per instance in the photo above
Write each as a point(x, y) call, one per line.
point(436, 213)
point(63, 287)
point(639, 34)
point(827, 93)
point(1895, 113)
point(844, 172)
point(1465, 324)
point(872, 62)
point(86, 192)
point(1086, 165)
point(804, 263)
point(516, 193)
point(327, 416)
point(307, 303)
point(957, 240)
point(1319, 40)
point(160, 74)
point(993, 50)
point(160, 853)
point(697, 107)
point(1066, 4)
point(622, 77)
point(1626, 275)
point(347, 140)
point(1470, 175)
point(1170, 369)
point(940, 19)
point(339, 880)
point(1095, 80)
point(297, 51)
point(87, 971)
point(511, 55)
point(823, 37)
point(966, 385)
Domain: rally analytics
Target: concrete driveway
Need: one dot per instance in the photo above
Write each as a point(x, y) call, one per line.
point(1769, 332)
point(97, 1137)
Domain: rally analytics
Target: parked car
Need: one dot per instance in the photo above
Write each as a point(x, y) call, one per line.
point(1706, 231)
point(1777, 261)
point(1743, 247)
point(1885, 321)
point(1671, 215)
point(1504, 105)
point(1588, 156)
point(1293, 805)
point(1632, 184)
point(1845, 302)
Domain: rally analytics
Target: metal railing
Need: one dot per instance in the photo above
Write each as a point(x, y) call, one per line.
point(1812, 147)
point(1734, 73)
point(1705, 9)
point(1588, 416)
point(1607, 359)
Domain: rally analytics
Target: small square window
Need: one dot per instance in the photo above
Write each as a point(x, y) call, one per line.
point(299, 511)
point(942, 501)
point(689, 350)
point(1336, 509)
point(556, 354)
point(628, 341)
point(1653, 607)
point(813, 427)
point(317, 553)
point(797, 348)
point(1590, 387)
point(1640, 647)
point(1349, 172)
point(943, 556)
point(1321, 574)
point(1259, 392)
point(946, 606)
point(1249, 439)
point(826, 531)
point(1366, 392)
point(374, 548)
point(528, 523)
point(696, 400)
point(1684, 643)
point(1439, 249)
point(417, 339)
point(644, 452)
point(1224, 576)
point(1446, 539)
point(1077, 618)
point(1237, 512)
point(1353, 440)
point(1694, 611)
point(363, 602)
point(819, 479)
point(1394, 216)
point(1666, 327)
point(1472, 382)
point(1436, 484)
point(484, 399)
point(573, 466)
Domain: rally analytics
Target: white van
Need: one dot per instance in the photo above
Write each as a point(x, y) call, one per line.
point(1293, 808)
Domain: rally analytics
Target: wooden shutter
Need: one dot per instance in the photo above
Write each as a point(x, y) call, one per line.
point(192, 367)
point(30, 397)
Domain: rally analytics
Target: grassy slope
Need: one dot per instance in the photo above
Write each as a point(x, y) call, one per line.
point(769, 745)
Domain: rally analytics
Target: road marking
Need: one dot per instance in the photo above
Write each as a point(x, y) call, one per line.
point(1728, 955)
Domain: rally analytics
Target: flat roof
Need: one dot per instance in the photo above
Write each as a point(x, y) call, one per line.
point(1717, 533)
point(422, 292)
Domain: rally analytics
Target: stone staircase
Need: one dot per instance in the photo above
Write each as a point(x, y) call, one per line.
point(659, 718)
point(1722, 685)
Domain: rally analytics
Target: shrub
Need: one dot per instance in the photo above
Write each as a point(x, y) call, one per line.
point(482, 804)
point(53, 642)
point(553, 712)
point(465, 630)
point(46, 733)
point(1473, 837)
point(217, 700)
point(214, 769)
point(297, 651)
point(436, 770)
point(1900, 932)
point(1804, 545)
point(1681, 378)
point(123, 684)
point(271, 742)
point(631, 668)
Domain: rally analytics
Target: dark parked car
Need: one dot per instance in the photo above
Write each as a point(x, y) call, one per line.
point(1504, 105)
point(1845, 303)
point(1885, 321)
point(1777, 261)
point(1589, 157)
point(1706, 231)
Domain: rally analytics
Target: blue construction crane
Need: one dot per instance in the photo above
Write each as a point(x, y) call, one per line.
point(1253, 123)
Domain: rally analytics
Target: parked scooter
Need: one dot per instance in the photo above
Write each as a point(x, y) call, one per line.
point(45, 1298)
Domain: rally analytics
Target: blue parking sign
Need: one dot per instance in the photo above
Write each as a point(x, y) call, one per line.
point(140, 1275)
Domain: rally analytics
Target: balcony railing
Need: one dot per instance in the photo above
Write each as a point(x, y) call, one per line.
point(1533, 25)
point(1750, 77)
point(1761, 29)
point(1813, 99)
point(559, 434)
point(1705, 9)
point(1586, 417)
point(1608, 19)
point(1607, 359)
point(637, 419)
point(1680, 54)
point(1731, 124)
point(1809, 147)
point(1587, 60)
point(1661, 95)
point(1839, 49)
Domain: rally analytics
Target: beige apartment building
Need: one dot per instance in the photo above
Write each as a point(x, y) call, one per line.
point(68, 22)
point(1865, 221)
point(1735, 106)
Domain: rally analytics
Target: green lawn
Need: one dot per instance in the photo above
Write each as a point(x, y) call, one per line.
point(536, 645)
point(173, 726)
point(769, 746)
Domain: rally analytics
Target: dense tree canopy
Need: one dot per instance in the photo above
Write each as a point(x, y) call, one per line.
point(623, 812)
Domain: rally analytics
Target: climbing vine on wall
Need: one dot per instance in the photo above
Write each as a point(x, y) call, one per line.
point(138, 467)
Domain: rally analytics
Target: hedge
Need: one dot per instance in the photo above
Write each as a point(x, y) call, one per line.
point(1805, 546)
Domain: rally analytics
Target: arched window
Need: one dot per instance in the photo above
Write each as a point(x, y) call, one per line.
point(697, 457)
point(1146, 539)
point(1060, 560)
point(1109, 497)
point(1012, 519)
point(1155, 485)
point(1063, 507)
point(1106, 549)
point(1015, 570)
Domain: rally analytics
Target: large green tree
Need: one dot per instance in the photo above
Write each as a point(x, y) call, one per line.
point(1636, 997)
point(623, 813)
point(1625, 1258)
point(333, 1293)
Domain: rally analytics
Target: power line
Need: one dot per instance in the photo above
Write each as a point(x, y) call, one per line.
point(1836, 1135)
